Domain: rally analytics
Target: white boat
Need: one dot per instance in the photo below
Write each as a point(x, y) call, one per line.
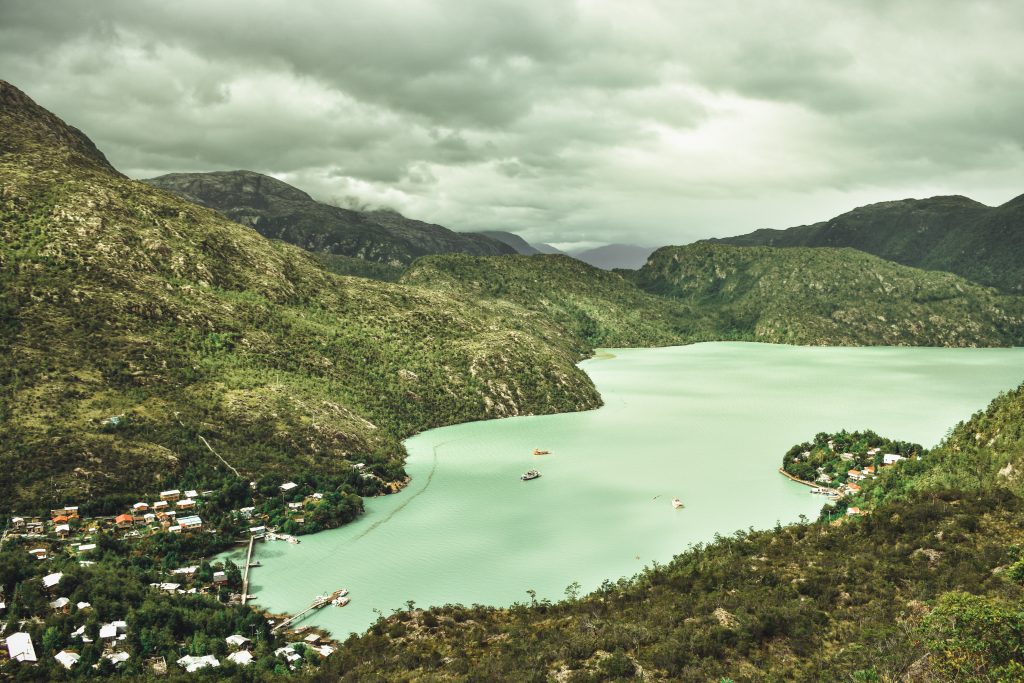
point(676, 503)
point(532, 474)
point(341, 601)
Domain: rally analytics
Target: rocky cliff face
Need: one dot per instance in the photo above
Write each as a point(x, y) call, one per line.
point(279, 211)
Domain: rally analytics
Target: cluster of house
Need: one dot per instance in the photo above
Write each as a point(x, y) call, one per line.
point(165, 513)
point(853, 475)
point(242, 653)
point(65, 520)
point(20, 647)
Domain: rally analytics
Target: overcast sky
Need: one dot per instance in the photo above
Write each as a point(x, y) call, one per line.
point(568, 122)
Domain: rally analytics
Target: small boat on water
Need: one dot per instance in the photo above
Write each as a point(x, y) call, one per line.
point(537, 451)
point(341, 601)
point(676, 503)
point(532, 474)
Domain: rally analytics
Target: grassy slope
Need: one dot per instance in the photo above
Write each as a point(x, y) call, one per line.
point(954, 234)
point(600, 307)
point(121, 298)
point(830, 296)
point(879, 598)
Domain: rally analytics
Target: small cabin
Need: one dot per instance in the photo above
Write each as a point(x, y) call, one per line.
point(171, 495)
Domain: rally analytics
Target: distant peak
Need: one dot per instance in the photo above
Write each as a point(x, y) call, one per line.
point(241, 182)
point(28, 129)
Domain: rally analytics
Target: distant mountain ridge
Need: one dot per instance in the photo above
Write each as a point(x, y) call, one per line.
point(612, 256)
point(511, 239)
point(278, 210)
point(951, 233)
point(829, 296)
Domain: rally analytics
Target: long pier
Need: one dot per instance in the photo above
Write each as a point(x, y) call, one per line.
point(789, 476)
point(245, 577)
point(318, 602)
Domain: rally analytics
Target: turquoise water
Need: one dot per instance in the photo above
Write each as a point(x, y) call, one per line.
point(707, 423)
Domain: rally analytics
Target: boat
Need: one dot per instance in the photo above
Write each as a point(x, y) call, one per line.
point(532, 474)
point(676, 503)
point(537, 451)
point(341, 601)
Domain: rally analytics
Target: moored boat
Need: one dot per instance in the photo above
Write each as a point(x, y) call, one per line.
point(532, 474)
point(676, 503)
point(538, 451)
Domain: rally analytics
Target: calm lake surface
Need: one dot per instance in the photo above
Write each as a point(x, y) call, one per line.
point(707, 423)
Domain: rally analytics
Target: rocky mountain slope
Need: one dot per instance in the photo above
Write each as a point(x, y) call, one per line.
point(279, 211)
point(830, 296)
point(121, 299)
point(599, 307)
point(955, 234)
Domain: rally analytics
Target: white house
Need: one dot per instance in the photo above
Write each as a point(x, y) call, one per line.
point(192, 664)
point(288, 486)
point(67, 659)
point(891, 458)
point(238, 641)
point(19, 647)
point(51, 580)
point(241, 658)
point(117, 657)
point(190, 523)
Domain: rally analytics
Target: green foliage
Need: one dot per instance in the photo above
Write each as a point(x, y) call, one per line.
point(595, 306)
point(974, 638)
point(837, 297)
point(953, 234)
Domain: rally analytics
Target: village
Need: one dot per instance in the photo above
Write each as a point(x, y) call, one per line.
point(54, 614)
point(836, 465)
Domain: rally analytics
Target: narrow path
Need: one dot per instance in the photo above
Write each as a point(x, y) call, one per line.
point(226, 464)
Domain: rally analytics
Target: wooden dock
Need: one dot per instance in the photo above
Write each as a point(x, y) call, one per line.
point(318, 602)
point(245, 576)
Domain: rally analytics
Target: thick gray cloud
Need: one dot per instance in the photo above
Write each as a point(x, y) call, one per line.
point(568, 121)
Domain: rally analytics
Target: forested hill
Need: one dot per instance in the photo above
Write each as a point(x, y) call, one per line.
point(955, 234)
point(279, 211)
point(121, 299)
point(829, 296)
point(599, 307)
point(925, 587)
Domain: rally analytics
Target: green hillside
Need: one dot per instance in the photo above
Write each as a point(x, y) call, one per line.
point(279, 211)
point(830, 296)
point(954, 234)
point(927, 587)
point(597, 306)
point(120, 299)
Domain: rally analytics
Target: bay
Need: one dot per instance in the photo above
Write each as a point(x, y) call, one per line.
point(707, 423)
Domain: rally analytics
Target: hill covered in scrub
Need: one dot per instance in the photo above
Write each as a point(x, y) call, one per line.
point(599, 307)
point(955, 234)
point(927, 586)
point(279, 211)
point(829, 296)
point(121, 299)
